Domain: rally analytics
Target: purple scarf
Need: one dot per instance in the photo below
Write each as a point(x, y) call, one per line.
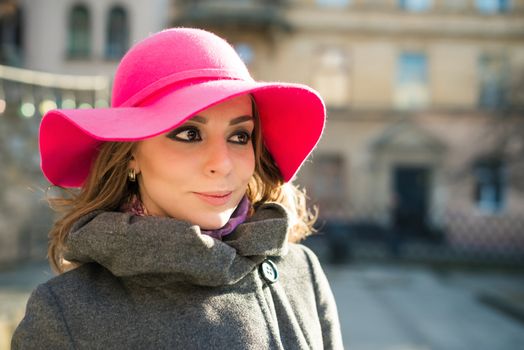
point(239, 216)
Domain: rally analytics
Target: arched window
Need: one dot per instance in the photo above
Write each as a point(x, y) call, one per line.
point(11, 26)
point(117, 33)
point(79, 43)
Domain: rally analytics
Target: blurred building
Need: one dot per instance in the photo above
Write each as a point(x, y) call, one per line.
point(54, 53)
point(425, 131)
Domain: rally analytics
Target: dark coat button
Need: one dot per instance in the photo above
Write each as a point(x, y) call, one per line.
point(269, 271)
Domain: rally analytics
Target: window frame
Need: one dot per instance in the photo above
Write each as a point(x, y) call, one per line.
point(114, 47)
point(497, 6)
point(493, 85)
point(79, 43)
point(490, 186)
point(401, 84)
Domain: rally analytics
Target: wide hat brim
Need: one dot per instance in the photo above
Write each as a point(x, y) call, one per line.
point(292, 118)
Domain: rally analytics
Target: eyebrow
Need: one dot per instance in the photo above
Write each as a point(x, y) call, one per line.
point(238, 120)
point(242, 119)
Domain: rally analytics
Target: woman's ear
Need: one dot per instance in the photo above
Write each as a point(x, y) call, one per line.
point(133, 164)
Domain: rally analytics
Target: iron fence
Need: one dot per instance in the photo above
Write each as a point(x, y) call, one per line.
point(461, 238)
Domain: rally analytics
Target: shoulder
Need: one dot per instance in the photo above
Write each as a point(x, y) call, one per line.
point(306, 252)
point(72, 289)
point(78, 294)
point(80, 277)
point(300, 262)
point(45, 324)
point(61, 306)
point(300, 253)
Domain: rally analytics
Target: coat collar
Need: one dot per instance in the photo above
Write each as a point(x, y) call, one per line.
point(159, 251)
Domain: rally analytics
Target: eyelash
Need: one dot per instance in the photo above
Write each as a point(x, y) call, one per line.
point(174, 135)
point(243, 134)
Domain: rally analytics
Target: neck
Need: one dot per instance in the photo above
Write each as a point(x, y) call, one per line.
point(136, 207)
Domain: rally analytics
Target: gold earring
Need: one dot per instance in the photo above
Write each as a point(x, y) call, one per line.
point(132, 175)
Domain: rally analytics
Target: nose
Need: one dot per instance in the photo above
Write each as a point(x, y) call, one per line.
point(218, 158)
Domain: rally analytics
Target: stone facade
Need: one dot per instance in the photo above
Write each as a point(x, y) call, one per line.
point(381, 129)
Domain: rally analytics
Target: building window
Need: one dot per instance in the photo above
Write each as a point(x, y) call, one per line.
point(79, 43)
point(331, 78)
point(492, 6)
point(11, 48)
point(117, 33)
point(489, 186)
point(415, 5)
point(493, 79)
point(412, 81)
point(332, 3)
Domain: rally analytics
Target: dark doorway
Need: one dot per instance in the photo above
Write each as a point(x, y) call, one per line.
point(410, 205)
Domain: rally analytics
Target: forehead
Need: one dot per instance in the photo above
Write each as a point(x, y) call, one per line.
point(231, 112)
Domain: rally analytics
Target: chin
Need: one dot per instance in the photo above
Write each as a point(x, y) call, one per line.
point(212, 225)
point(214, 221)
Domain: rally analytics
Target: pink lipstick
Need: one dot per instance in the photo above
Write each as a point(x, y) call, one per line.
point(215, 198)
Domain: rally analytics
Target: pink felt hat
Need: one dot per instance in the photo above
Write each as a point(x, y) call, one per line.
point(164, 80)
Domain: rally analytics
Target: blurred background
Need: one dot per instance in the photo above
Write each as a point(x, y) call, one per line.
point(419, 177)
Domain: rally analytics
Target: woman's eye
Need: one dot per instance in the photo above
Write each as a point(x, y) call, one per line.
point(242, 138)
point(186, 135)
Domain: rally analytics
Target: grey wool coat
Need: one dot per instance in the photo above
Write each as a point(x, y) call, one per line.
point(158, 283)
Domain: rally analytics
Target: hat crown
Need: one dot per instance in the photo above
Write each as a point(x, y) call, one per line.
point(171, 56)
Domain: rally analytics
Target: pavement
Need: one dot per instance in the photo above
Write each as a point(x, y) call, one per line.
point(381, 307)
point(417, 308)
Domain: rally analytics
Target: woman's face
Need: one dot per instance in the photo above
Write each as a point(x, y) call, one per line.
point(199, 171)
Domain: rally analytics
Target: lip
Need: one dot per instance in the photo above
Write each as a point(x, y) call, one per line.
point(215, 198)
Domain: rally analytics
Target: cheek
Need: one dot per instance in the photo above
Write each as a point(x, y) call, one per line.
point(157, 164)
point(247, 165)
point(171, 169)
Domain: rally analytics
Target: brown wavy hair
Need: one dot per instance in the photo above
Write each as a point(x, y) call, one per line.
point(107, 188)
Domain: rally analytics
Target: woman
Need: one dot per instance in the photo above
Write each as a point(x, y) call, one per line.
point(181, 234)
